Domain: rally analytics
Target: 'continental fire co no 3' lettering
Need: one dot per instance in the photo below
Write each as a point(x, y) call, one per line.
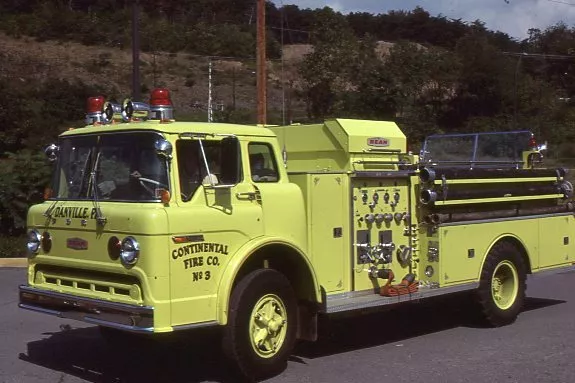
point(196, 248)
point(198, 261)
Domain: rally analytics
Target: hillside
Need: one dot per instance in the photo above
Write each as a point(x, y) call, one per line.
point(184, 74)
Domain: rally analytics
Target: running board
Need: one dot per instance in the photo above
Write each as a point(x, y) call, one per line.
point(358, 300)
point(368, 298)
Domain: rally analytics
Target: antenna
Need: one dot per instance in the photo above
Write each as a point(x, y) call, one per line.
point(210, 108)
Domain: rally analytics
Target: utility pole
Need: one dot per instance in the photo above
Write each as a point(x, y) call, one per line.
point(136, 88)
point(261, 62)
point(515, 92)
point(283, 71)
point(234, 88)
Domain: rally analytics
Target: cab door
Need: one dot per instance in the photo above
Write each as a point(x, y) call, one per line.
point(281, 201)
point(207, 228)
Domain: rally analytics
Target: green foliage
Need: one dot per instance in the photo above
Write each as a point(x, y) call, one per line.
point(327, 68)
point(23, 177)
point(31, 117)
point(427, 89)
point(12, 246)
point(198, 27)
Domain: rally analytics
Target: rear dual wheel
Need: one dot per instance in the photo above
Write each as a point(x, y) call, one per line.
point(260, 334)
point(501, 292)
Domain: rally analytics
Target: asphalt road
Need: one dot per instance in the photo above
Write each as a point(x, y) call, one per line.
point(433, 342)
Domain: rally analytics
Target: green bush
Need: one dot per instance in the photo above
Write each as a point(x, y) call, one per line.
point(23, 177)
point(12, 246)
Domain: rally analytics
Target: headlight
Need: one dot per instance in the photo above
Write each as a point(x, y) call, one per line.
point(33, 242)
point(130, 251)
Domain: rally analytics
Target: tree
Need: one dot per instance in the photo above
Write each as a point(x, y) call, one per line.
point(480, 87)
point(326, 70)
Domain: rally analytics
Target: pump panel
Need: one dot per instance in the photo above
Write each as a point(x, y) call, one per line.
point(381, 217)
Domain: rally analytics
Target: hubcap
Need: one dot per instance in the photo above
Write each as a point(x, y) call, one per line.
point(504, 285)
point(268, 326)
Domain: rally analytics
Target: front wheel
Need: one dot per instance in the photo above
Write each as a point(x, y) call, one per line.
point(502, 285)
point(260, 333)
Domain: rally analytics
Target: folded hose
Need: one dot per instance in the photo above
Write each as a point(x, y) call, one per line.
point(408, 285)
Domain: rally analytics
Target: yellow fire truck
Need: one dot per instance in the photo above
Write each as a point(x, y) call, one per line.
point(154, 226)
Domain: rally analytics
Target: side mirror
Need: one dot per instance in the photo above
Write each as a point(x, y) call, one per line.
point(542, 147)
point(163, 148)
point(51, 152)
point(230, 172)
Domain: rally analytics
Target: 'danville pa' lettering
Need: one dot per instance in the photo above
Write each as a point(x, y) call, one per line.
point(74, 212)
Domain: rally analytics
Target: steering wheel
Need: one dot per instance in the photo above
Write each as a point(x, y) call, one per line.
point(144, 181)
point(265, 175)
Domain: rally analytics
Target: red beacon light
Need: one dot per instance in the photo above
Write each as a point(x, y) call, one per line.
point(532, 143)
point(161, 107)
point(94, 110)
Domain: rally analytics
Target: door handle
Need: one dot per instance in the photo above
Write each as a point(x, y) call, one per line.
point(249, 196)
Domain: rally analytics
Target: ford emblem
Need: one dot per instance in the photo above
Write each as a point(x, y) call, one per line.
point(77, 244)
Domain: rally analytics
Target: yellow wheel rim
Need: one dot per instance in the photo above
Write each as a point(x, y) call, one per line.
point(504, 285)
point(268, 326)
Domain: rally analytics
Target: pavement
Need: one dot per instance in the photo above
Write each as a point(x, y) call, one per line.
point(438, 341)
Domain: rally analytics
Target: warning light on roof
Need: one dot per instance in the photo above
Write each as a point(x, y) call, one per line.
point(161, 105)
point(94, 109)
point(160, 97)
point(95, 104)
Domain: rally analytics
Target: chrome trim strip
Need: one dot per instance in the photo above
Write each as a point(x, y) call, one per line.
point(118, 326)
point(383, 174)
point(195, 325)
point(368, 298)
point(138, 319)
point(517, 218)
point(98, 302)
point(342, 172)
point(40, 310)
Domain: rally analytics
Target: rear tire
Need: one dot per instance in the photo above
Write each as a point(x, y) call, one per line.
point(501, 292)
point(261, 329)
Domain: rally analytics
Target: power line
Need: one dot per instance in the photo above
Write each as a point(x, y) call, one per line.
point(562, 2)
point(540, 55)
point(291, 30)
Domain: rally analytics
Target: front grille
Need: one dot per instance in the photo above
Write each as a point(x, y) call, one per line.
point(107, 286)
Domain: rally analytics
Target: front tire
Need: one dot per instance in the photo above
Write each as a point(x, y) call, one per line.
point(261, 329)
point(501, 292)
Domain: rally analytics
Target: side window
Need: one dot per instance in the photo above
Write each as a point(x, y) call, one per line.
point(189, 168)
point(263, 165)
point(222, 164)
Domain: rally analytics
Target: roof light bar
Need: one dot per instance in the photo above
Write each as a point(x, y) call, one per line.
point(99, 111)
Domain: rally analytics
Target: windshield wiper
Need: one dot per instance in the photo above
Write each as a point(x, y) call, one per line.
point(48, 212)
point(100, 219)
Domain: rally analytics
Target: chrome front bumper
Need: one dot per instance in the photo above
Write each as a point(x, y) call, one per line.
point(116, 315)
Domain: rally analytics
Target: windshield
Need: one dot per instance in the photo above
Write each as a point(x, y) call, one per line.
point(127, 168)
